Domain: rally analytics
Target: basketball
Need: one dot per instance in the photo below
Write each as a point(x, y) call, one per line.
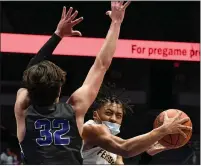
point(173, 140)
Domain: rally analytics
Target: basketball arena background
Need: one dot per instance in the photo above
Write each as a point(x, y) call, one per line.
point(151, 85)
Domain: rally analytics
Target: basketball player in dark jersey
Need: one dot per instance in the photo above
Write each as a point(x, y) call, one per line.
point(50, 132)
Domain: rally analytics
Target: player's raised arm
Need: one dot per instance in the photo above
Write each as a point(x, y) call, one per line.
point(64, 28)
point(82, 99)
point(99, 135)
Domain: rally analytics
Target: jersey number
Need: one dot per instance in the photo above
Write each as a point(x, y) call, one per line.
point(57, 137)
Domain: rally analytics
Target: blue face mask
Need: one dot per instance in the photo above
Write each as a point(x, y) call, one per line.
point(113, 127)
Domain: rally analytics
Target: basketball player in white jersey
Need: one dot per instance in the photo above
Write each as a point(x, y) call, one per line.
point(101, 146)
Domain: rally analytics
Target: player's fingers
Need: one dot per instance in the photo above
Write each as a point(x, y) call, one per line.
point(126, 4)
point(121, 3)
point(69, 13)
point(113, 4)
point(182, 133)
point(178, 115)
point(63, 12)
point(77, 21)
point(76, 33)
point(73, 16)
point(184, 120)
point(108, 13)
point(183, 127)
point(165, 116)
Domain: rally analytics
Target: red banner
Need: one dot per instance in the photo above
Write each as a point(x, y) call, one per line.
point(80, 46)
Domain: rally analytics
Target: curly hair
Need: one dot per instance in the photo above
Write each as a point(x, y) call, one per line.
point(43, 82)
point(106, 95)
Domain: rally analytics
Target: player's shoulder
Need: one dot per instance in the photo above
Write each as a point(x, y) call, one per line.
point(22, 92)
point(22, 100)
point(90, 122)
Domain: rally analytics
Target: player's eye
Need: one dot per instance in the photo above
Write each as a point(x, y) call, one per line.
point(119, 116)
point(108, 113)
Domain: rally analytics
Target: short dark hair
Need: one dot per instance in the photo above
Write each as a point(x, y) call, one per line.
point(106, 96)
point(112, 99)
point(43, 82)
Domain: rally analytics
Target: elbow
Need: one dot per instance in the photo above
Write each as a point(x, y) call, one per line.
point(127, 152)
point(104, 63)
point(124, 152)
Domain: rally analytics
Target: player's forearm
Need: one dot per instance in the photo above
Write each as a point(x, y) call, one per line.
point(46, 50)
point(104, 57)
point(50, 45)
point(139, 144)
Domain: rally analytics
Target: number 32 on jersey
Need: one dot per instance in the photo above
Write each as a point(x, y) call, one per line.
point(57, 137)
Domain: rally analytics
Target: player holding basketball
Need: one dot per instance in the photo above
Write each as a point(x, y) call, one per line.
point(50, 132)
point(101, 146)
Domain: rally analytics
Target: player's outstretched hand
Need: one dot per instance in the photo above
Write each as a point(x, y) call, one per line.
point(67, 22)
point(174, 125)
point(157, 148)
point(118, 10)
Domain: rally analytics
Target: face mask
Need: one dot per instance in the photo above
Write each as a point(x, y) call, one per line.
point(113, 127)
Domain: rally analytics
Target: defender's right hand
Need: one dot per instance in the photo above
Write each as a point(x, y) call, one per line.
point(174, 125)
point(118, 11)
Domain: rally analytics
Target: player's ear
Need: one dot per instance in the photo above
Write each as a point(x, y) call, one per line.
point(95, 115)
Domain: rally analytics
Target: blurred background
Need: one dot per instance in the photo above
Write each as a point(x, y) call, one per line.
point(151, 85)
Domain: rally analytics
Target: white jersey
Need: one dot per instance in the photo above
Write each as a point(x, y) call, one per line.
point(97, 155)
